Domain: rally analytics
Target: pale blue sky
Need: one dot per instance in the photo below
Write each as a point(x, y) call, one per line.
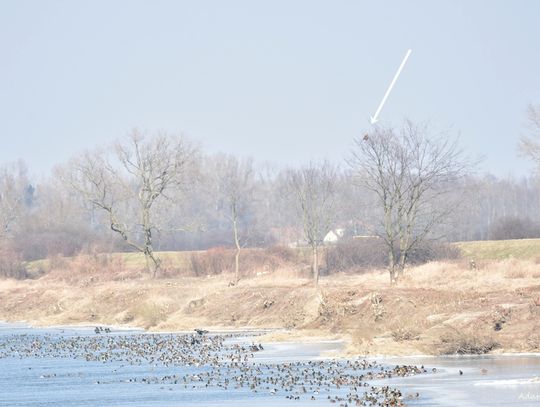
point(283, 81)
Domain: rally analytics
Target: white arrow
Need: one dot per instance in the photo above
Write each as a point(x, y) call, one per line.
point(375, 117)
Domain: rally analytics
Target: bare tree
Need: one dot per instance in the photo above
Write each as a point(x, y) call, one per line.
point(14, 193)
point(313, 189)
point(235, 186)
point(412, 175)
point(530, 145)
point(129, 184)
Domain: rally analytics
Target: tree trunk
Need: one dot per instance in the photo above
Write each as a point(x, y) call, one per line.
point(401, 263)
point(153, 263)
point(236, 261)
point(237, 254)
point(392, 266)
point(315, 266)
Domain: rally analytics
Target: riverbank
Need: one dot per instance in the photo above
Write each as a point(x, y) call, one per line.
point(438, 308)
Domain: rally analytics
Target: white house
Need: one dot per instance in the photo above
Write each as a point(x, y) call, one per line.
point(333, 236)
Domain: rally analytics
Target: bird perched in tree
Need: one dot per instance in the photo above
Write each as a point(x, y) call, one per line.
point(365, 138)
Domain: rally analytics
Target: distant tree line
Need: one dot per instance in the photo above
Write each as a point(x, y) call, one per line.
point(150, 192)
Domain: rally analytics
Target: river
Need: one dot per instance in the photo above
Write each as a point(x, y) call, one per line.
point(77, 367)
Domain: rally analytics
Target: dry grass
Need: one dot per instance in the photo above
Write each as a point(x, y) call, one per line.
point(466, 343)
point(419, 315)
point(122, 266)
point(493, 275)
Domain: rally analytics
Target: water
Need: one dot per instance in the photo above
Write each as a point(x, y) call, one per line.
point(507, 380)
point(37, 370)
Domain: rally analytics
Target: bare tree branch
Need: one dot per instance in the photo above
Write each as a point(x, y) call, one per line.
point(138, 176)
point(313, 189)
point(411, 174)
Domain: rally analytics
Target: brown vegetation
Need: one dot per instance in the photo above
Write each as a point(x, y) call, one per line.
point(466, 343)
point(11, 264)
point(439, 307)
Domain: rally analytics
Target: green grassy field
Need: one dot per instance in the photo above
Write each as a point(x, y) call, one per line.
point(180, 260)
point(130, 260)
point(173, 259)
point(528, 249)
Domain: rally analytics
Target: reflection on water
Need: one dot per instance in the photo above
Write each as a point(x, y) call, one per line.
point(35, 379)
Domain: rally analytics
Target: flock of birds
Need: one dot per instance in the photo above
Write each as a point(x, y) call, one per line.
point(201, 361)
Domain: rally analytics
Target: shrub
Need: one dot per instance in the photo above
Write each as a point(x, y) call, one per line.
point(220, 260)
point(85, 267)
point(466, 343)
point(377, 306)
point(404, 333)
point(284, 254)
point(433, 251)
point(533, 340)
point(268, 259)
point(212, 261)
point(500, 316)
point(11, 264)
point(356, 254)
point(362, 254)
